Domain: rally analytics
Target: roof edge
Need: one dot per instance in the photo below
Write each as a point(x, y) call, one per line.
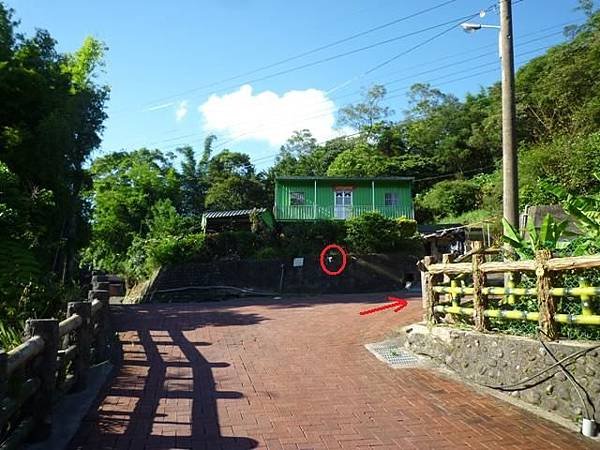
point(345, 178)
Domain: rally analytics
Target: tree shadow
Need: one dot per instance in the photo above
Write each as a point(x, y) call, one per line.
point(164, 395)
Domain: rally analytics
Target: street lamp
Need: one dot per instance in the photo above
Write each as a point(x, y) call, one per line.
point(510, 203)
point(470, 27)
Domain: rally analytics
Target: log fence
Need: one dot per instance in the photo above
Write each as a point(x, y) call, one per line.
point(445, 290)
point(52, 362)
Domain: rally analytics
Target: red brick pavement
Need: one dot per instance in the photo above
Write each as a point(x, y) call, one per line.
point(290, 374)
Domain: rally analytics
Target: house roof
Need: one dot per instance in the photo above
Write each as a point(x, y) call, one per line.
point(235, 213)
point(346, 178)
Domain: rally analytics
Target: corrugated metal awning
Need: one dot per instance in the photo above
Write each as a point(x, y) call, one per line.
point(235, 213)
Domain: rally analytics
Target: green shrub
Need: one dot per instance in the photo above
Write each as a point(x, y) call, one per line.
point(10, 336)
point(174, 249)
point(406, 227)
point(449, 198)
point(567, 161)
point(374, 233)
point(266, 253)
point(305, 238)
point(146, 255)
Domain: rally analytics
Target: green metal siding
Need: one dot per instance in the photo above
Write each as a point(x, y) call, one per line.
point(403, 190)
point(284, 210)
point(362, 198)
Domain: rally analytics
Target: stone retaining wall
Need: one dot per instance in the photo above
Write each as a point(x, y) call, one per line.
point(494, 359)
point(368, 273)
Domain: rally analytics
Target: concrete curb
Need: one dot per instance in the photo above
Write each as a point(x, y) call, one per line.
point(72, 408)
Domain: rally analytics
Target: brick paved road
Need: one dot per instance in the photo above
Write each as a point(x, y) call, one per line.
point(289, 374)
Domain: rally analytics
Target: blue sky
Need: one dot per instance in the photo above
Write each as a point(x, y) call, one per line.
point(166, 59)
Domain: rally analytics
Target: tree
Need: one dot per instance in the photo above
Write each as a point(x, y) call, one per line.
point(450, 198)
point(126, 190)
point(233, 183)
point(368, 112)
point(193, 182)
point(51, 119)
point(228, 164)
point(235, 193)
point(557, 92)
point(440, 127)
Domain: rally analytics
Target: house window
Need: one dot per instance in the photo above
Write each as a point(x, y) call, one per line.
point(391, 199)
point(297, 198)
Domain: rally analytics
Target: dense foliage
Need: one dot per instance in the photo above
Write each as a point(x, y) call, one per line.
point(51, 118)
point(133, 211)
point(374, 233)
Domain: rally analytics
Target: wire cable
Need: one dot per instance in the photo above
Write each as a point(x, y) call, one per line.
point(314, 50)
point(322, 60)
point(387, 83)
point(578, 387)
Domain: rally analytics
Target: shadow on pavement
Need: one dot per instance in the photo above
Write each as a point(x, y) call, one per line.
point(164, 395)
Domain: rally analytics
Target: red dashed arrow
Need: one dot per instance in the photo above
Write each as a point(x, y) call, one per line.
point(397, 304)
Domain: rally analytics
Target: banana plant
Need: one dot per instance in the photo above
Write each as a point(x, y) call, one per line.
point(548, 237)
point(584, 209)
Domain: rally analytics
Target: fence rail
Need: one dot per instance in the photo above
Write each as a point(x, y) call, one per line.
point(53, 361)
point(442, 279)
point(318, 212)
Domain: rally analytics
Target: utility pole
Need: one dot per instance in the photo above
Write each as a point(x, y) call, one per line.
point(510, 188)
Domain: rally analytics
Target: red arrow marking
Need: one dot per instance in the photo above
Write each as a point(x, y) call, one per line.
point(397, 303)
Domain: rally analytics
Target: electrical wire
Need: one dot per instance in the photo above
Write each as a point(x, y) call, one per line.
point(326, 59)
point(578, 388)
point(467, 60)
point(312, 51)
point(524, 383)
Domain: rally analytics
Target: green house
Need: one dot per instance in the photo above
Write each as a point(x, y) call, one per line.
point(313, 198)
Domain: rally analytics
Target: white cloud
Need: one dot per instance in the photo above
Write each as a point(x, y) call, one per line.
point(182, 110)
point(268, 116)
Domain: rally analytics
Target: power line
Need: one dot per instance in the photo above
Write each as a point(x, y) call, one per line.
point(520, 44)
point(411, 49)
point(312, 51)
point(329, 58)
point(328, 111)
point(471, 75)
point(323, 113)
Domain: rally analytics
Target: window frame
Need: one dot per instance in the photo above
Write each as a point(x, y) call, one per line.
point(295, 196)
point(394, 199)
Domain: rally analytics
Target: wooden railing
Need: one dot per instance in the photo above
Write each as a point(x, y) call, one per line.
point(448, 278)
point(316, 212)
point(53, 361)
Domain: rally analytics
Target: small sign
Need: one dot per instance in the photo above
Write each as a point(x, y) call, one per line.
point(298, 262)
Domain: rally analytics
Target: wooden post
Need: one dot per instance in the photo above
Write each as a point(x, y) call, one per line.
point(430, 297)
point(41, 410)
point(102, 343)
point(447, 259)
point(454, 297)
point(586, 300)
point(546, 302)
point(479, 279)
point(83, 334)
point(510, 284)
point(423, 269)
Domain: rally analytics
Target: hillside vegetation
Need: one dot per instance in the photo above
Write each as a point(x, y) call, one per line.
point(129, 211)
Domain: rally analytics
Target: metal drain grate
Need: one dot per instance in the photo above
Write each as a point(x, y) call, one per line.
point(389, 353)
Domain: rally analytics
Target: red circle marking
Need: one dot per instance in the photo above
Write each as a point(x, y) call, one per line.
point(344, 260)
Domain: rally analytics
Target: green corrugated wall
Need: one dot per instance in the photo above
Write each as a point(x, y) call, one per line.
point(362, 198)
